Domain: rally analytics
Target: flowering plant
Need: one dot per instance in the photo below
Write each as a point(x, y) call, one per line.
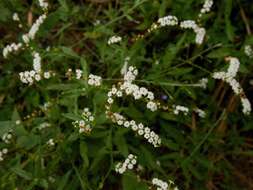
point(128, 95)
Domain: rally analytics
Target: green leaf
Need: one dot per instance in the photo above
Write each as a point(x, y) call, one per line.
point(170, 144)
point(229, 27)
point(220, 53)
point(69, 52)
point(28, 141)
point(180, 71)
point(5, 126)
point(130, 182)
point(62, 86)
point(71, 116)
point(64, 180)
point(84, 153)
point(120, 142)
point(22, 173)
point(100, 156)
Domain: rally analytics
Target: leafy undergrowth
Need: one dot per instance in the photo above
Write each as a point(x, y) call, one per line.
point(104, 94)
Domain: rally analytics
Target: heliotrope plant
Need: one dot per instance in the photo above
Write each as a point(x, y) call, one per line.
point(104, 96)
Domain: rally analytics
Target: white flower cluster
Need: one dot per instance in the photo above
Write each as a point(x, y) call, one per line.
point(200, 112)
point(34, 29)
point(50, 142)
point(132, 89)
point(200, 32)
point(2, 153)
point(131, 74)
point(79, 74)
point(137, 92)
point(28, 77)
point(203, 82)
point(32, 32)
point(229, 77)
point(186, 24)
point(248, 51)
point(168, 21)
point(206, 7)
point(246, 105)
point(46, 106)
point(85, 123)
point(178, 108)
point(7, 137)
point(152, 106)
point(43, 4)
point(94, 80)
point(15, 17)
point(149, 135)
point(11, 48)
point(129, 163)
point(162, 185)
point(44, 125)
point(114, 39)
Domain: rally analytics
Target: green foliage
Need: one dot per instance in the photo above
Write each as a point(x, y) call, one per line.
point(194, 153)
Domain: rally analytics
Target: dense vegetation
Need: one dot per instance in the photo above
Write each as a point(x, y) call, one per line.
point(89, 84)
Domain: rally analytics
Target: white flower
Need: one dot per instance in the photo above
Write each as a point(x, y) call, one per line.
point(91, 118)
point(140, 132)
point(37, 77)
point(114, 39)
point(150, 96)
point(110, 100)
point(126, 124)
point(119, 94)
point(47, 75)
